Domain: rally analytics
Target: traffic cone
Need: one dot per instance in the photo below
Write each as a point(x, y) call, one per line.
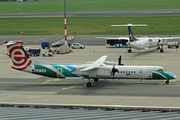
point(94, 51)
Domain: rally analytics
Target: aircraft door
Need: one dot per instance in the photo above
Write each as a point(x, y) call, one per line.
point(140, 73)
point(59, 72)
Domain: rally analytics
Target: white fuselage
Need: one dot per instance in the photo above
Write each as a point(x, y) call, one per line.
point(127, 72)
point(144, 43)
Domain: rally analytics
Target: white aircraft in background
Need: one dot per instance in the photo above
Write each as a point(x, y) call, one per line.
point(99, 69)
point(147, 42)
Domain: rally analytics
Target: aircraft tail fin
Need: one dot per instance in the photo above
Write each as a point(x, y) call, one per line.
point(18, 55)
point(131, 37)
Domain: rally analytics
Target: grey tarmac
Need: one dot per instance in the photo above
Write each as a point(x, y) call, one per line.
point(17, 87)
point(125, 13)
point(89, 40)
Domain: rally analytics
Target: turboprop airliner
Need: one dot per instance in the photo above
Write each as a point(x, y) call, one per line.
point(99, 69)
point(145, 42)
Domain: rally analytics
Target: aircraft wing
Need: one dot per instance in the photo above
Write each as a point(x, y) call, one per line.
point(170, 38)
point(126, 38)
point(95, 64)
point(165, 38)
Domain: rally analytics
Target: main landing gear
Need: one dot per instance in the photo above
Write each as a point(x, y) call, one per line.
point(161, 50)
point(129, 50)
point(167, 81)
point(89, 83)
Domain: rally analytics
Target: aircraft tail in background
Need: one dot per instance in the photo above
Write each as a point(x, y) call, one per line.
point(131, 37)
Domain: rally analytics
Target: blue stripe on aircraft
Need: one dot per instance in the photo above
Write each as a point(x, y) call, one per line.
point(70, 67)
point(170, 73)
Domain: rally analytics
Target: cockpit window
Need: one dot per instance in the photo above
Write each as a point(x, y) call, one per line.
point(160, 70)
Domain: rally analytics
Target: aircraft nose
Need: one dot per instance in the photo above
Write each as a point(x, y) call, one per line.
point(175, 77)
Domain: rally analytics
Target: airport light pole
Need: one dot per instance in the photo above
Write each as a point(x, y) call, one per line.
point(65, 22)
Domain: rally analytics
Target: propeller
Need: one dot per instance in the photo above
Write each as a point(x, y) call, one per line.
point(114, 70)
point(158, 43)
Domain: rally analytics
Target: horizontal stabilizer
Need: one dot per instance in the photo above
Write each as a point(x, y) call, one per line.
point(131, 25)
point(168, 38)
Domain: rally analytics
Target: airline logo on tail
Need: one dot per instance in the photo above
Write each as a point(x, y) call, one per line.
point(131, 38)
point(18, 56)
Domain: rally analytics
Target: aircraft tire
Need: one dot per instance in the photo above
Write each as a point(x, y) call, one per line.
point(167, 82)
point(96, 79)
point(129, 51)
point(161, 51)
point(88, 84)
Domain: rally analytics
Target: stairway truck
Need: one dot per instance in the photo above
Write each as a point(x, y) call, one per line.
point(58, 43)
point(173, 44)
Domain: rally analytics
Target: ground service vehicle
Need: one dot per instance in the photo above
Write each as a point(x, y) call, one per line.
point(77, 46)
point(173, 44)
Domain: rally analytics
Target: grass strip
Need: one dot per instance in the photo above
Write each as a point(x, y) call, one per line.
point(86, 5)
point(164, 25)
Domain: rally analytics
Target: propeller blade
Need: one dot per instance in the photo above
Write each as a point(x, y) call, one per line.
point(114, 70)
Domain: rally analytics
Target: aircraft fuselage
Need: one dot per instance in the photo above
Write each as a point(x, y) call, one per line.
point(103, 72)
point(144, 44)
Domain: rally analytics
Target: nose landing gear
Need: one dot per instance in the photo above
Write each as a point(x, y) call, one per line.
point(167, 81)
point(88, 84)
point(129, 50)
